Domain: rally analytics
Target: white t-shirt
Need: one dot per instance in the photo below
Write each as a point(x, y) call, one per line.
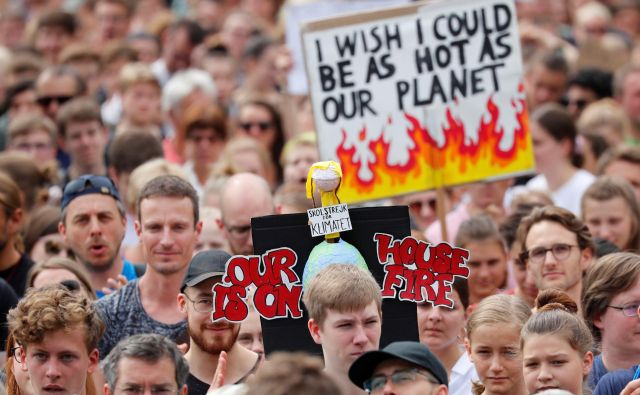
point(569, 194)
point(462, 374)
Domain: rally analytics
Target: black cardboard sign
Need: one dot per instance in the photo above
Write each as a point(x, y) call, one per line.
point(399, 320)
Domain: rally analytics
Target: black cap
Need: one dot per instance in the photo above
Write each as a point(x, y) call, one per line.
point(412, 352)
point(88, 184)
point(203, 266)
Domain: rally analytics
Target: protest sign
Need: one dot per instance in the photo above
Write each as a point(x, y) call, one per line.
point(292, 231)
point(329, 219)
point(417, 97)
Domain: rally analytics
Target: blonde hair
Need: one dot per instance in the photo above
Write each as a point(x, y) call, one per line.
point(137, 73)
point(557, 315)
point(306, 139)
point(497, 310)
point(227, 165)
point(147, 172)
point(605, 112)
point(342, 288)
point(49, 309)
point(28, 123)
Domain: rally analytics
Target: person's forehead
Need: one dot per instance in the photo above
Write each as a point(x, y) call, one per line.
point(92, 203)
point(63, 340)
point(172, 207)
point(370, 310)
point(549, 231)
point(139, 370)
point(58, 84)
point(392, 365)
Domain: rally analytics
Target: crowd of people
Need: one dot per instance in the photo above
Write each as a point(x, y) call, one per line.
point(139, 138)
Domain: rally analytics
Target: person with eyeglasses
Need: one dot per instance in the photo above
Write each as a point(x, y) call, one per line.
point(557, 248)
point(401, 368)
point(244, 196)
point(610, 305)
point(207, 339)
point(57, 334)
point(145, 363)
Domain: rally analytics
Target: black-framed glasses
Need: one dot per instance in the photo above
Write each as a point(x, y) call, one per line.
point(202, 305)
point(560, 251)
point(16, 354)
point(375, 384)
point(628, 309)
point(263, 126)
point(45, 101)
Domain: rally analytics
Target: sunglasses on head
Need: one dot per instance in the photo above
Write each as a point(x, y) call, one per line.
point(85, 182)
point(263, 126)
point(45, 101)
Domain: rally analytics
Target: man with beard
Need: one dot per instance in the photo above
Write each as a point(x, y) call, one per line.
point(93, 225)
point(208, 339)
point(168, 226)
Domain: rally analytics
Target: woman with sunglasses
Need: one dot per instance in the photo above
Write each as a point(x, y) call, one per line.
point(261, 120)
point(61, 271)
point(610, 304)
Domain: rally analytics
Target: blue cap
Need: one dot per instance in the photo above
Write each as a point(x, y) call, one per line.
point(88, 184)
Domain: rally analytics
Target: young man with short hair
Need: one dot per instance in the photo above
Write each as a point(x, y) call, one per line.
point(83, 136)
point(557, 248)
point(168, 226)
point(207, 339)
point(345, 318)
point(58, 333)
point(401, 368)
point(93, 224)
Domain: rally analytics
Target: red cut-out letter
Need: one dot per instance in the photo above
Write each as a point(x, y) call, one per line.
point(265, 309)
point(243, 263)
point(281, 261)
point(386, 250)
point(289, 299)
point(392, 278)
point(424, 279)
point(235, 309)
point(444, 287)
point(441, 261)
point(408, 248)
point(459, 257)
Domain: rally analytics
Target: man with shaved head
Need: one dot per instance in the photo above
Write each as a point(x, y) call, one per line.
point(244, 196)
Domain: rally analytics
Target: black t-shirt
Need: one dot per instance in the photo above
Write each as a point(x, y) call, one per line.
point(8, 299)
point(16, 275)
point(197, 387)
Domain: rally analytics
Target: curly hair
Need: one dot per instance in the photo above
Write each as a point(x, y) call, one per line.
point(49, 309)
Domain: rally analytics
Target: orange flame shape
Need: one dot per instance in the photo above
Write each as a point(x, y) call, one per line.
point(430, 166)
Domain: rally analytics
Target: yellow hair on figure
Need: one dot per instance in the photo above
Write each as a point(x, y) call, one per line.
point(325, 177)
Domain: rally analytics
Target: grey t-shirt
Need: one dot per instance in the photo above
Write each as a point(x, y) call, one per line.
point(124, 316)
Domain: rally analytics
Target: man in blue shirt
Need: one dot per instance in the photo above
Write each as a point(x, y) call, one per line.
point(93, 224)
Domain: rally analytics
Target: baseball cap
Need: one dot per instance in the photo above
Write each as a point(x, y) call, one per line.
point(413, 352)
point(87, 184)
point(203, 266)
